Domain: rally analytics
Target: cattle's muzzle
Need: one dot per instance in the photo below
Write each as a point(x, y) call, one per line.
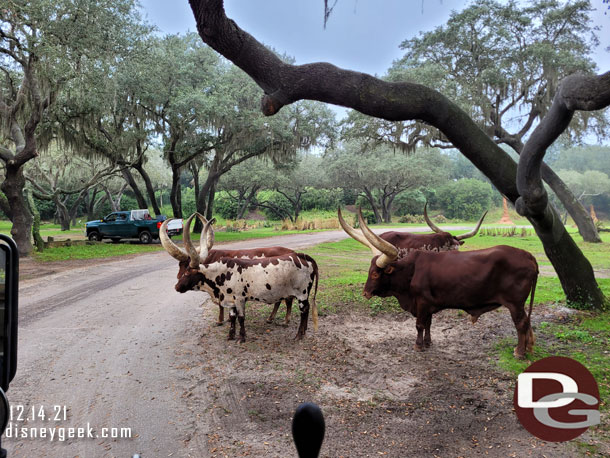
point(367, 294)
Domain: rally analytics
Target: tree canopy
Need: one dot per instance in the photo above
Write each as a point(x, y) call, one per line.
point(284, 84)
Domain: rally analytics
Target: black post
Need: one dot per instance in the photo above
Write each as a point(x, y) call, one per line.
point(308, 430)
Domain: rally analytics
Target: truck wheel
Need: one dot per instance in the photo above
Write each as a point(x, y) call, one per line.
point(145, 237)
point(116, 240)
point(95, 236)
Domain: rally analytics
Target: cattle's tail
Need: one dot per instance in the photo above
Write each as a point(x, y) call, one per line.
point(529, 314)
point(314, 309)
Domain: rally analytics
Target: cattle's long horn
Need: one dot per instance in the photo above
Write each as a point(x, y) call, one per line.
point(356, 234)
point(474, 231)
point(174, 250)
point(190, 249)
point(207, 233)
point(209, 230)
point(389, 252)
point(432, 226)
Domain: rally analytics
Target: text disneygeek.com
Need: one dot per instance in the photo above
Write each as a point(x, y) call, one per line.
point(63, 433)
point(44, 422)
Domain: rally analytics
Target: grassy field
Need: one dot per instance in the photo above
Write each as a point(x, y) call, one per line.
point(583, 336)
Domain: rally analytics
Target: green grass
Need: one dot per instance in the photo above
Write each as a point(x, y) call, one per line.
point(97, 251)
point(46, 230)
point(585, 337)
point(344, 268)
point(255, 234)
point(597, 253)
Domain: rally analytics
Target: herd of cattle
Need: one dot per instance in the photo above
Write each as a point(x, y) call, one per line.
point(425, 272)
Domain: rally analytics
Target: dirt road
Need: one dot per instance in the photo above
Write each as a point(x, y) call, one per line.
point(118, 348)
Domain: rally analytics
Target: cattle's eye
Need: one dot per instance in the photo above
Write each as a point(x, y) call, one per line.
point(375, 275)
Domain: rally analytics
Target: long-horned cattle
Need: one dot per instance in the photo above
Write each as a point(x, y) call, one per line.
point(207, 238)
point(425, 282)
point(233, 281)
point(407, 242)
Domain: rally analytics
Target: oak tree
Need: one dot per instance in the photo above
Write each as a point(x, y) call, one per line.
point(284, 84)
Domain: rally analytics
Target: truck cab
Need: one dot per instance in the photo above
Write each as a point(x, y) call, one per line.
point(133, 224)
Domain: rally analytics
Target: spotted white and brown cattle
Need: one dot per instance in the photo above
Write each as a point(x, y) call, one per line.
point(425, 282)
point(407, 242)
point(207, 238)
point(234, 281)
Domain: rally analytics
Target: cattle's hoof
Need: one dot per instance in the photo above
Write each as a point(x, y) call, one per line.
point(428, 343)
point(231, 337)
point(418, 347)
point(518, 354)
point(241, 340)
point(269, 321)
point(220, 323)
point(298, 337)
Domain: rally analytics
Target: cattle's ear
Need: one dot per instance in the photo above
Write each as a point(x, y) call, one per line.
point(388, 270)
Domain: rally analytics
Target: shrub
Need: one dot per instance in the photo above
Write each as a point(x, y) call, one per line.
point(225, 206)
point(189, 205)
point(418, 219)
point(322, 199)
point(369, 218)
point(277, 200)
point(466, 199)
point(409, 203)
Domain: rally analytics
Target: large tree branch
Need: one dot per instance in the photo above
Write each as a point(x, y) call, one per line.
point(283, 84)
point(577, 92)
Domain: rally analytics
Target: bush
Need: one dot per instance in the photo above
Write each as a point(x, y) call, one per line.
point(409, 203)
point(225, 206)
point(322, 199)
point(349, 196)
point(363, 202)
point(46, 208)
point(189, 205)
point(465, 199)
point(128, 203)
point(417, 219)
point(275, 199)
point(369, 218)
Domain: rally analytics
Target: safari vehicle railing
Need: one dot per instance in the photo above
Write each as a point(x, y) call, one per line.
point(9, 287)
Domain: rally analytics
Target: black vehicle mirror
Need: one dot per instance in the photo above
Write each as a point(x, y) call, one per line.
point(9, 287)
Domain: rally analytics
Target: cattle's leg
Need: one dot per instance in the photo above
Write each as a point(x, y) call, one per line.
point(304, 307)
point(221, 315)
point(232, 318)
point(420, 324)
point(273, 312)
point(522, 324)
point(242, 329)
point(288, 310)
point(427, 336)
point(531, 339)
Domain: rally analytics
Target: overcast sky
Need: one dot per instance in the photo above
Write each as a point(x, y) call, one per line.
point(361, 35)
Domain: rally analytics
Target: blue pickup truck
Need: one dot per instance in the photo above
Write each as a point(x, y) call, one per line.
point(134, 224)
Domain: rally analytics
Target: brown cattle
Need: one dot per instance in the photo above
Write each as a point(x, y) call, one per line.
point(207, 239)
point(425, 282)
point(407, 242)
